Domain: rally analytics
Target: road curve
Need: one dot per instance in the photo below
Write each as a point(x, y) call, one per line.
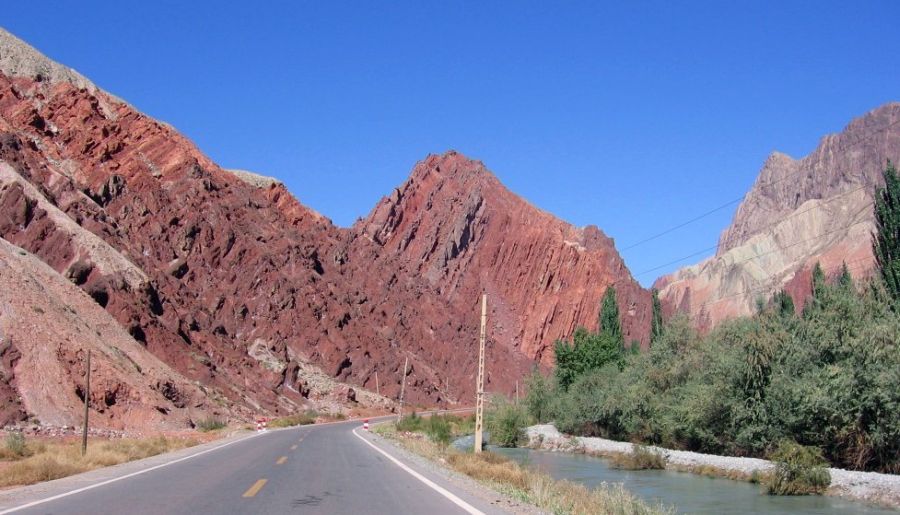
point(325, 469)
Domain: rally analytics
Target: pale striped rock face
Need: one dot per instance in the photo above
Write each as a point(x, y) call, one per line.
point(799, 212)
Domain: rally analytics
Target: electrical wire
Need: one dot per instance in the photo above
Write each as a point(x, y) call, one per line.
point(773, 224)
point(734, 201)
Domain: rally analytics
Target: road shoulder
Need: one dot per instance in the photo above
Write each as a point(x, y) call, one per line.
point(18, 497)
point(487, 499)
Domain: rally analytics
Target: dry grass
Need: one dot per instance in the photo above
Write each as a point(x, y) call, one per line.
point(298, 419)
point(487, 466)
point(711, 471)
point(55, 460)
point(541, 490)
point(640, 458)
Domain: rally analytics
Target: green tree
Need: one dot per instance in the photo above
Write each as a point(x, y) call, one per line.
point(566, 364)
point(609, 317)
point(886, 240)
point(588, 351)
point(845, 280)
point(656, 322)
point(784, 304)
point(539, 397)
point(818, 282)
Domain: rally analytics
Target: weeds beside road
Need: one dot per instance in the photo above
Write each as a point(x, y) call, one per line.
point(510, 478)
point(25, 462)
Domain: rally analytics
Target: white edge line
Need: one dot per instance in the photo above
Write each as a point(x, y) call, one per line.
point(126, 476)
point(439, 489)
point(179, 460)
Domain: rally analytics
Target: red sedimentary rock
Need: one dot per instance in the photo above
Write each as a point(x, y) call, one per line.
point(227, 278)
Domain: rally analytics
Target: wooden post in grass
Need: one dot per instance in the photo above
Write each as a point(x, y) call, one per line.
point(377, 388)
point(479, 386)
point(87, 398)
point(402, 388)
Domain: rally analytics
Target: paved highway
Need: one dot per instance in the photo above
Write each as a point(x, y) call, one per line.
point(326, 469)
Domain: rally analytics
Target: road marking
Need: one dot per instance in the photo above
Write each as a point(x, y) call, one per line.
point(253, 490)
point(439, 489)
point(126, 476)
point(311, 427)
point(294, 447)
point(281, 460)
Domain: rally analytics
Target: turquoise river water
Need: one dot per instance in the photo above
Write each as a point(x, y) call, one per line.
point(688, 493)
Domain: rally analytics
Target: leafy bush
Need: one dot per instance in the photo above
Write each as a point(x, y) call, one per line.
point(506, 423)
point(15, 445)
point(587, 351)
point(297, 419)
point(411, 423)
point(461, 425)
point(826, 379)
point(210, 424)
point(799, 470)
point(437, 428)
point(641, 457)
point(539, 397)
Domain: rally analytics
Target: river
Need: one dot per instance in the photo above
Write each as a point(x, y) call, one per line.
point(688, 493)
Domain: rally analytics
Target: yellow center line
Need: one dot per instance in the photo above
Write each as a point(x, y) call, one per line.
point(281, 460)
point(257, 486)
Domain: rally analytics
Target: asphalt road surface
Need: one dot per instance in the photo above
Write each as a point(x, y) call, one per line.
point(325, 469)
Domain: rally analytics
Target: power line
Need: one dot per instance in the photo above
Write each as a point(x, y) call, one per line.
point(776, 249)
point(683, 258)
point(759, 289)
point(734, 201)
point(802, 241)
point(679, 226)
point(773, 224)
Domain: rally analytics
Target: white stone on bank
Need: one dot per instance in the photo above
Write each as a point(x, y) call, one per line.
point(867, 486)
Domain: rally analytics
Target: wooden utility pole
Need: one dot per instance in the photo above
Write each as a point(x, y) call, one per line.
point(402, 388)
point(479, 387)
point(87, 398)
point(377, 388)
point(517, 393)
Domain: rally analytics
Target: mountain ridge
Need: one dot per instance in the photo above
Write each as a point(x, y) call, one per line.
point(247, 288)
point(825, 196)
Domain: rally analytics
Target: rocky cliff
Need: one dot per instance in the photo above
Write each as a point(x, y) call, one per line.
point(454, 225)
point(226, 278)
point(47, 325)
point(818, 208)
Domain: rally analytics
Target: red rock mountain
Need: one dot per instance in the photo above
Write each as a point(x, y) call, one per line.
point(799, 212)
point(226, 278)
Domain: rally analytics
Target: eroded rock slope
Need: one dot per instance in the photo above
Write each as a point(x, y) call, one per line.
point(229, 280)
point(799, 212)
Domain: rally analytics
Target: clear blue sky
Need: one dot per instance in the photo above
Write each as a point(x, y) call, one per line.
point(633, 118)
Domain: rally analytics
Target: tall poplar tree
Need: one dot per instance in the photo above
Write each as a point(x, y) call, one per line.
point(886, 240)
point(656, 323)
point(609, 317)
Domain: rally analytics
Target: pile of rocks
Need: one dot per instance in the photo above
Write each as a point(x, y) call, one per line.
point(54, 431)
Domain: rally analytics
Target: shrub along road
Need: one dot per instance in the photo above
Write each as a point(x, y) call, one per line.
point(309, 469)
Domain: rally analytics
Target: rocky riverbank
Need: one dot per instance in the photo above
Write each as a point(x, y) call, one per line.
point(872, 487)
